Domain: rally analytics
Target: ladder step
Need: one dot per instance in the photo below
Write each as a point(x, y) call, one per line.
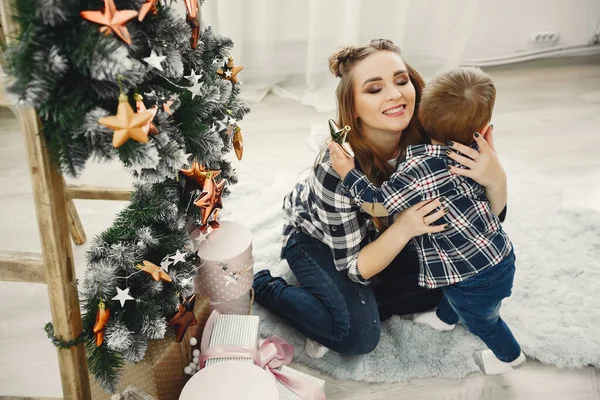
point(22, 267)
point(89, 192)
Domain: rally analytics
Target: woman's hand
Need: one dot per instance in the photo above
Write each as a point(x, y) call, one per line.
point(413, 221)
point(416, 221)
point(483, 167)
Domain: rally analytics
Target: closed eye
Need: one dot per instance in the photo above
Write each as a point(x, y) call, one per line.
point(378, 89)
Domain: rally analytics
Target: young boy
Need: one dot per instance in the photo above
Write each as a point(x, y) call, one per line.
point(473, 261)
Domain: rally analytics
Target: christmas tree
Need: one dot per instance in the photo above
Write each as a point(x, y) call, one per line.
point(134, 81)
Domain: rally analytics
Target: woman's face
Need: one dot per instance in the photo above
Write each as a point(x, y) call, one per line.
point(384, 96)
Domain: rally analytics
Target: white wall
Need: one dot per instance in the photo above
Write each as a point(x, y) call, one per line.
point(505, 27)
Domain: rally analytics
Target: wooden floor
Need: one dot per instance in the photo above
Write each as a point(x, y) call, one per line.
point(547, 115)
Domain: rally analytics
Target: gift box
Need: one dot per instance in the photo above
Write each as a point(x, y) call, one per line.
point(225, 270)
point(234, 330)
point(132, 392)
point(285, 393)
point(160, 374)
point(235, 338)
point(240, 306)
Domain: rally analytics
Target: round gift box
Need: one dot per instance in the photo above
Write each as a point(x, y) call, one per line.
point(239, 306)
point(225, 271)
point(231, 380)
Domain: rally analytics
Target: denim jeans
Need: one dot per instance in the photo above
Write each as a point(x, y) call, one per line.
point(333, 310)
point(476, 303)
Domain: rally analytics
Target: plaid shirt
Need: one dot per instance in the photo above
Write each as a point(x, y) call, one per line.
point(320, 208)
point(475, 239)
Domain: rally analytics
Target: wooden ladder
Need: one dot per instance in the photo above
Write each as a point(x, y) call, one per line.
point(57, 220)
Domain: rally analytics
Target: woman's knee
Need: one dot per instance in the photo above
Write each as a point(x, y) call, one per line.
point(361, 338)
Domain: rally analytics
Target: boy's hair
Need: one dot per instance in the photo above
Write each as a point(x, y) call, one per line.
point(456, 104)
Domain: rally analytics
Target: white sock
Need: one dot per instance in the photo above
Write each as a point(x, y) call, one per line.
point(314, 349)
point(490, 364)
point(430, 318)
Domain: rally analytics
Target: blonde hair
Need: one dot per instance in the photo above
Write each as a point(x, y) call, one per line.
point(457, 104)
point(371, 161)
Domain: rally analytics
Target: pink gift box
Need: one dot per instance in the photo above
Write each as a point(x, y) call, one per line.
point(225, 272)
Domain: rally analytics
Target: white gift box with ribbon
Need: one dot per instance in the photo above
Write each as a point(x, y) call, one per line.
point(235, 337)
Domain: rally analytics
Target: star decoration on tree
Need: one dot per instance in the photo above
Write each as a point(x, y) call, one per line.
point(178, 257)
point(166, 104)
point(340, 136)
point(192, 77)
point(196, 88)
point(127, 124)
point(222, 125)
point(113, 20)
point(148, 6)
point(154, 271)
point(210, 199)
point(191, 11)
point(155, 60)
point(122, 296)
point(184, 317)
point(149, 128)
point(197, 174)
point(229, 71)
point(165, 264)
point(183, 157)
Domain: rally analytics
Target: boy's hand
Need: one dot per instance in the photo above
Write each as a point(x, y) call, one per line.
point(341, 162)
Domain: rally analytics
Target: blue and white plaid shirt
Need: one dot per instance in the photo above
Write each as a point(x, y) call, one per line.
point(321, 208)
point(475, 239)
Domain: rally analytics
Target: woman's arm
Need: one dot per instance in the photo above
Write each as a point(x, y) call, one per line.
point(483, 167)
point(414, 221)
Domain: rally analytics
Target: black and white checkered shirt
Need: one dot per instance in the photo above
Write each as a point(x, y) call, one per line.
point(475, 239)
point(320, 208)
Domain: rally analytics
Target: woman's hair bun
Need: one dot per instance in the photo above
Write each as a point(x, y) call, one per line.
point(337, 60)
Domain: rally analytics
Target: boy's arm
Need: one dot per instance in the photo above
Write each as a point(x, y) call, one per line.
point(395, 195)
point(400, 192)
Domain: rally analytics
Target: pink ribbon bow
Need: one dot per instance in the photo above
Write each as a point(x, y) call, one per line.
point(271, 354)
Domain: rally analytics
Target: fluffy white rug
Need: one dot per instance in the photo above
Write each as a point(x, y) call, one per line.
point(553, 312)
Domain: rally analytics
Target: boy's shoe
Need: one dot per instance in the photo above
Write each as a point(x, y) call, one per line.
point(490, 365)
point(430, 318)
point(314, 349)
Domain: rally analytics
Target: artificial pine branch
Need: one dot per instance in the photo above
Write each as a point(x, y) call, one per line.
point(72, 74)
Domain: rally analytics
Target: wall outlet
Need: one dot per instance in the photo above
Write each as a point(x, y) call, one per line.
point(544, 37)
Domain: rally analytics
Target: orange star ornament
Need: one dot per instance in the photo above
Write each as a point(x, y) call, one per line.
point(127, 124)
point(210, 199)
point(184, 317)
point(112, 19)
point(198, 173)
point(155, 271)
point(148, 6)
point(149, 128)
point(229, 71)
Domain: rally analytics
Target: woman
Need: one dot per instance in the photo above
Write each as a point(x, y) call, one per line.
point(355, 270)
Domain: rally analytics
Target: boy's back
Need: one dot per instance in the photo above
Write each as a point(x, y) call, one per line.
point(475, 239)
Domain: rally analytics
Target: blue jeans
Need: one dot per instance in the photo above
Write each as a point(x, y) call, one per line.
point(476, 303)
point(333, 310)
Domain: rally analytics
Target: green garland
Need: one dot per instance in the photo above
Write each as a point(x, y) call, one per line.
point(59, 342)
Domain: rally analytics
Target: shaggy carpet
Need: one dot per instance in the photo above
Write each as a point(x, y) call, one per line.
point(553, 311)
